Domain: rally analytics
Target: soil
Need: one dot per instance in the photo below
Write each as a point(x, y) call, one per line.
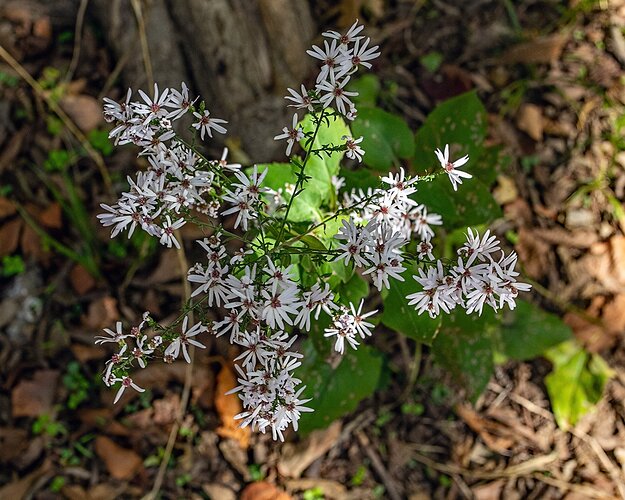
point(551, 74)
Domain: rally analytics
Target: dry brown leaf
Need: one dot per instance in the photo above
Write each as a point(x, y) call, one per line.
point(30, 242)
point(13, 441)
point(84, 110)
point(332, 490)
point(214, 490)
point(263, 490)
point(505, 192)
point(18, 489)
point(120, 462)
point(533, 253)
point(32, 398)
point(168, 269)
point(102, 313)
point(51, 216)
point(530, 120)
point(613, 315)
point(228, 406)
point(496, 436)
point(10, 236)
point(295, 459)
point(540, 50)
point(84, 353)
point(589, 334)
point(166, 409)
point(617, 248)
point(6, 208)
point(81, 280)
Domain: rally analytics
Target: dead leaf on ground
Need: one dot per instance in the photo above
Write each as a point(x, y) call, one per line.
point(263, 490)
point(168, 269)
point(496, 436)
point(214, 490)
point(121, 463)
point(506, 191)
point(332, 490)
point(530, 120)
point(84, 353)
point(51, 216)
point(18, 489)
point(84, 110)
point(540, 50)
point(81, 279)
point(32, 398)
point(10, 236)
point(102, 313)
point(295, 459)
point(533, 253)
point(6, 208)
point(13, 441)
point(228, 406)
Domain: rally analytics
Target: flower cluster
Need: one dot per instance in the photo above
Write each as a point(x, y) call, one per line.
point(476, 280)
point(145, 348)
point(341, 56)
point(263, 301)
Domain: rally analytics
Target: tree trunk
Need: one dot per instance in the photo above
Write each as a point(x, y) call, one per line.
point(239, 55)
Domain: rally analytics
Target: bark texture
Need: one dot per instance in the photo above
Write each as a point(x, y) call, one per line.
point(239, 55)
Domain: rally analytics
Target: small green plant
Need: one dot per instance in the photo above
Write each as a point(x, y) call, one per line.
point(45, 424)
point(77, 385)
point(100, 141)
point(183, 480)
point(57, 484)
point(256, 472)
point(315, 493)
point(12, 265)
point(8, 80)
point(416, 409)
point(359, 477)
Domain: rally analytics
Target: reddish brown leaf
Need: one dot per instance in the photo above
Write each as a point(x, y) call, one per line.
point(263, 490)
point(51, 216)
point(81, 280)
point(31, 398)
point(228, 406)
point(6, 208)
point(84, 353)
point(540, 50)
point(84, 110)
point(10, 236)
point(530, 120)
point(102, 313)
point(120, 462)
point(13, 441)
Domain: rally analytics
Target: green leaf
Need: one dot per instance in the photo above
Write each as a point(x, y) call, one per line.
point(431, 61)
point(330, 133)
point(355, 289)
point(528, 331)
point(368, 88)
point(312, 242)
point(359, 179)
point(306, 206)
point(459, 122)
point(577, 382)
point(464, 347)
point(386, 137)
point(333, 390)
point(403, 318)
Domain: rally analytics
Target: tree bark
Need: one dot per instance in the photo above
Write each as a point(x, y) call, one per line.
point(239, 55)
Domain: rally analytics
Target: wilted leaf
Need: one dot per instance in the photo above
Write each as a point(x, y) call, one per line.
point(295, 459)
point(84, 110)
point(530, 120)
point(10, 236)
point(81, 279)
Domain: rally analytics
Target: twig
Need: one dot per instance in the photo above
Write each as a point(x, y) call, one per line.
point(67, 121)
point(188, 376)
point(80, 19)
point(378, 466)
point(145, 50)
point(614, 472)
point(526, 403)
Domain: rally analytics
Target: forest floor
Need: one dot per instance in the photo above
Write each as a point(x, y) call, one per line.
point(553, 80)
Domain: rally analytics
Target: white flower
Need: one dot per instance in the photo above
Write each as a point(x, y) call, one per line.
point(328, 57)
point(279, 306)
point(125, 382)
point(173, 349)
point(354, 151)
point(335, 91)
point(303, 100)
point(361, 326)
point(114, 336)
point(180, 102)
point(358, 56)
point(154, 107)
point(167, 236)
point(205, 124)
point(452, 169)
point(292, 135)
point(348, 37)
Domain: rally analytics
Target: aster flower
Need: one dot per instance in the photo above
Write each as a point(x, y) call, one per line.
point(303, 100)
point(354, 151)
point(452, 168)
point(292, 135)
point(205, 124)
